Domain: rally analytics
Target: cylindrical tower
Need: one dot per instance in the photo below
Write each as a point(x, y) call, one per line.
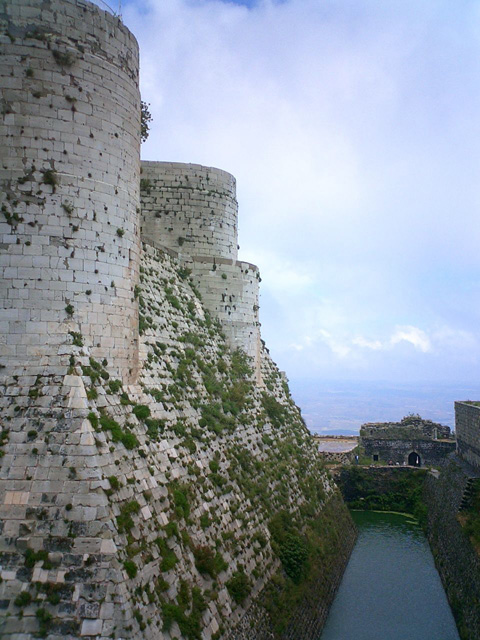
point(190, 208)
point(69, 176)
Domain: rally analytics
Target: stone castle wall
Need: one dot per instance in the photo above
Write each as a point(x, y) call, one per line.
point(397, 451)
point(456, 559)
point(229, 290)
point(114, 486)
point(69, 236)
point(467, 427)
point(192, 210)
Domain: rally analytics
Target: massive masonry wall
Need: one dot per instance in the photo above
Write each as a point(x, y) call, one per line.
point(398, 451)
point(467, 427)
point(456, 558)
point(69, 244)
point(230, 291)
point(190, 208)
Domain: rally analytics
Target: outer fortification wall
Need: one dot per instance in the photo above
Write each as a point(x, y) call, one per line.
point(467, 427)
point(69, 241)
point(192, 210)
point(230, 291)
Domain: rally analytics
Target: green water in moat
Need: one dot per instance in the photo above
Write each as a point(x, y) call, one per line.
point(391, 589)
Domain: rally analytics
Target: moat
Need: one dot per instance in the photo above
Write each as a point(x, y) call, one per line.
point(391, 589)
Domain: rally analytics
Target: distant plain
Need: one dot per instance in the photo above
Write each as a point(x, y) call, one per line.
point(340, 408)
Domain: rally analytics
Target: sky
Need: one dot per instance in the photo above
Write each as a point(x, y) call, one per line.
point(353, 129)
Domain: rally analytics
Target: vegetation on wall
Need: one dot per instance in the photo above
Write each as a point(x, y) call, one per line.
point(238, 481)
point(384, 490)
point(471, 516)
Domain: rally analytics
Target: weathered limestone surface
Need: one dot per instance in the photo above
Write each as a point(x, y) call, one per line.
point(455, 557)
point(99, 478)
point(467, 427)
point(396, 441)
point(142, 465)
point(398, 451)
point(68, 185)
point(192, 210)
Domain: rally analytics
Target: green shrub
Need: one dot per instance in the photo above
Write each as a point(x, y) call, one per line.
point(129, 440)
point(32, 557)
point(180, 500)
point(141, 411)
point(239, 586)
point(214, 466)
point(77, 339)
point(115, 386)
point(169, 559)
point(23, 599)
point(208, 562)
point(154, 426)
point(171, 529)
point(50, 178)
point(294, 555)
point(44, 618)
point(93, 419)
point(131, 568)
point(124, 520)
point(114, 482)
point(274, 410)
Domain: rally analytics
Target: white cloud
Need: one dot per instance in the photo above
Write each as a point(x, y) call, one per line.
point(351, 129)
point(337, 347)
point(282, 276)
point(414, 336)
point(368, 344)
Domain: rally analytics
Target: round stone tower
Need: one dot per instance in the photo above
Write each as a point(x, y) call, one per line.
point(69, 179)
point(190, 208)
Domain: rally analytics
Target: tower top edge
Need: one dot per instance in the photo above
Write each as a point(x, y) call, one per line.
point(101, 8)
point(154, 166)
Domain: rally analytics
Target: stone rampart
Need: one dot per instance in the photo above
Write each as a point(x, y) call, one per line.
point(190, 208)
point(69, 238)
point(398, 451)
point(455, 557)
point(131, 506)
point(467, 427)
point(229, 290)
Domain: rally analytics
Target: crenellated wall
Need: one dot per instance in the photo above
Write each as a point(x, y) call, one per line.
point(69, 241)
point(192, 210)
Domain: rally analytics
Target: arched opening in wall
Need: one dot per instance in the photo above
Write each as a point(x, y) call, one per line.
point(414, 459)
